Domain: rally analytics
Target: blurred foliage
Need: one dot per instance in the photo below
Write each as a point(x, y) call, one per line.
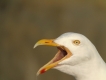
point(23, 22)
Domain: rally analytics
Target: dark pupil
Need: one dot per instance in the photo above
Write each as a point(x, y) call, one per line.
point(76, 42)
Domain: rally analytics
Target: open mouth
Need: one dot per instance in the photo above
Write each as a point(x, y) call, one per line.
point(62, 54)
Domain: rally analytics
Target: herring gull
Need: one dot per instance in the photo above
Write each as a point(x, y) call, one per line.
point(76, 56)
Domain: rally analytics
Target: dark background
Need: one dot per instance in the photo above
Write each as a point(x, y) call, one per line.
point(24, 22)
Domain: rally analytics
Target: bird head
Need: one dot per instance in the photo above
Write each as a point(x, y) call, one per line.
point(72, 47)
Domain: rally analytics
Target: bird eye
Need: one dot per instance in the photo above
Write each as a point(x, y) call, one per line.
point(76, 42)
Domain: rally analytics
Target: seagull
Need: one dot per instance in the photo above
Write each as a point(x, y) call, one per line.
point(76, 56)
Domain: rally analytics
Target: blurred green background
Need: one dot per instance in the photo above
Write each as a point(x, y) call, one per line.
point(24, 22)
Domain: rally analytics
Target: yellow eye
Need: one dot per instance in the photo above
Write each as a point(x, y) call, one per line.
point(76, 42)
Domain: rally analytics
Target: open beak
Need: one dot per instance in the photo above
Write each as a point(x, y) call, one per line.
point(61, 55)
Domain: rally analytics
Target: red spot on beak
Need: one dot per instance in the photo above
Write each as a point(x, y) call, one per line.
point(42, 71)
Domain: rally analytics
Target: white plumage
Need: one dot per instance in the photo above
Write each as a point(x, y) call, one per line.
point(85, 62)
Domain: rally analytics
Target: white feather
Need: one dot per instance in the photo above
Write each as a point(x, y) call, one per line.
point(85, 63)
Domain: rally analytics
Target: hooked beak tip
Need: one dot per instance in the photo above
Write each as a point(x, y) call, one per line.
point(35, 46)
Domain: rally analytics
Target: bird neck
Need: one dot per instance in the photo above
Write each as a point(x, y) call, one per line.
point(94, 69)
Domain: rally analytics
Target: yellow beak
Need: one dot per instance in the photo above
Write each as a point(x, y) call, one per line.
point(51, 64)
point(49, 42)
